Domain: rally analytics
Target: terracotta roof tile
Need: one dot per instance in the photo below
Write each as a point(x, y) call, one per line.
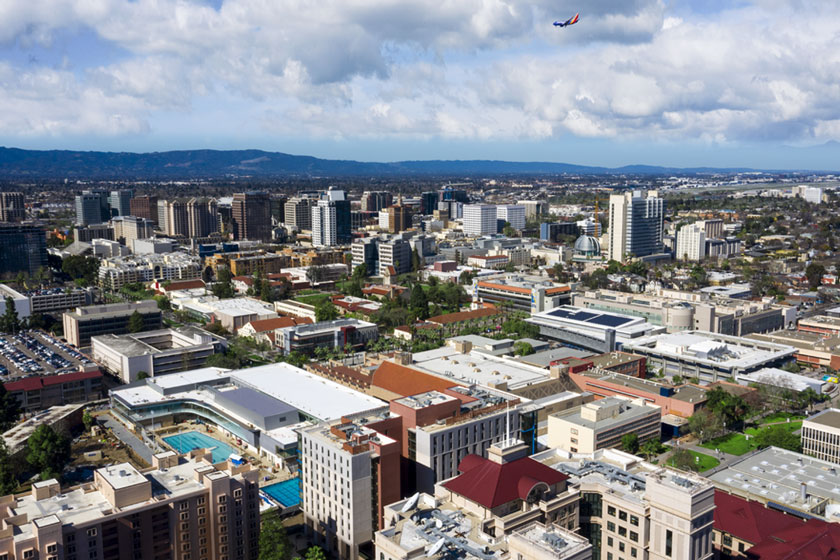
point(406, 381)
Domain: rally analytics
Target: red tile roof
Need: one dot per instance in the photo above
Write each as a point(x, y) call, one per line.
point(406, 381)
point(812, 540)
point(463, 316)
point(749, 520)
point(490, 484)
point(39, 382)
point(184, 285)
point(263, 325)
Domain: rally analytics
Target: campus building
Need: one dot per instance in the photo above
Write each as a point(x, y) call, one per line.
point(330, 334)
point(599, 331)
point(531, 294)
point(116, 272)
point(86, 322)
point(821, 435)
point(44, 391)
point(601, 424)
point(479, 219)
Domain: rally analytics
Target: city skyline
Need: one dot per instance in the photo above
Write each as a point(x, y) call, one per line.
point(682, 83)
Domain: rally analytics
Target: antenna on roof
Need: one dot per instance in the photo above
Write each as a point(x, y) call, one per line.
point(507, 424)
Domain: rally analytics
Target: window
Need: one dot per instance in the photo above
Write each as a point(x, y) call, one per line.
point(634, 521)
point(184, 505)
point(621, 547)
point(91, 532)
point(52, 549)
point(185, 515)
point(669, 542)
point(622, 531)
point(611, 511)
point(610, 526)
point(634, 536)
point(29, 553)
point(622, 515)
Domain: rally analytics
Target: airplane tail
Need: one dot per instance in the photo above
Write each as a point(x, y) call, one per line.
point(576, 18)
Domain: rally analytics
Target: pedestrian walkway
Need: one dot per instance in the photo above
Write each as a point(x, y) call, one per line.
point(128, 438)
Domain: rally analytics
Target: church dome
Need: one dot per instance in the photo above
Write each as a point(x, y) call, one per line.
point(588, 246)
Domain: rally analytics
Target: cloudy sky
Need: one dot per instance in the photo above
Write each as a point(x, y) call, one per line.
point(675, 82)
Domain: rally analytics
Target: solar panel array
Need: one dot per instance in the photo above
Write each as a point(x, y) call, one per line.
point(602, 319)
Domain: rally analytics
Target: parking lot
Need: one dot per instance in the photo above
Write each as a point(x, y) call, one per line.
point(35, 352)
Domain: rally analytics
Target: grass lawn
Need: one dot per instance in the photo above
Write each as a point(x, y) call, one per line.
point(704, 463)
point(312, 299)
point(734, 444)
point(780, 417)
point(790, 426)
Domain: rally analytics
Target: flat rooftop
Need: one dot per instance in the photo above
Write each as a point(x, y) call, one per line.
point(478, 367)
point(425, 399)
point(121, 475)
point(710, 348)
point(155, 342)
point(686, 393)
point(628, 412)
point(824, 320)
point(545, 358)
point(829, 417)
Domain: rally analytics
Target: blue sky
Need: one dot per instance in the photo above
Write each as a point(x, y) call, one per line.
point(677, 82)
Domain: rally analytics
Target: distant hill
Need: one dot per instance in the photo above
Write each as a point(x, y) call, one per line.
point(194, 164)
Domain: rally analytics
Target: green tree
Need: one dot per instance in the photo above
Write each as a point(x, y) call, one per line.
point(778, 436)
point(731, 409)
point(315, 553)
point(274, 541)
point(651, 448)
point(10, 321)
point(522, 349)
point(135, 322)
point(630, 443)
point(325, 311)
point(8, 481)
point(84, 270)
point(814, 273)
point(223, 288)
point(48, 452)
point(227, 360)
point(9, 409)
point(704, 424)
point(683, 460)
point(416, 261)
point(216, 328)
point(163, 303)
point(418, 303)
point(142, 375)
point(87, 419)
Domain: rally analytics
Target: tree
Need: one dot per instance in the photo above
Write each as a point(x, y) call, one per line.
point(216, 328)
point(142, 375)
point(418, 303)
point(9, 409)
point(630, 443)
point(729, 408)
point(274, 541)
point(8, 482)
point(522, 349)
point(223, 288)
point(814, 273)
point(704, 424)
point(683, 459)
point(163, 303)
point(135, 322)
point(48, 452)
point(651, 448)
point(82, 269)
point(416, 262)
point(325, 311)
point(87, 419)
point(778, 436)
point(10, 321)
point(315, 553)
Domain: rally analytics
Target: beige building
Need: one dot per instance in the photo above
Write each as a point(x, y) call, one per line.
point(85, 322)
point(821, 435)
point(601, 424)
point(183, 508)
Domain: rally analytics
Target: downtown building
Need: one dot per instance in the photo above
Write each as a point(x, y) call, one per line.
point(202, 217)
point(514, 214)
point(120, 202)
point(95, 320)
point(374, 201)
point(252, 216)
point(23, 247)
point(331, 220)
point(145, 206)
point(172, 217)
point(92, 207)
point(12, 207)
point(479, 219)
point(637, 222)
point(298, 212)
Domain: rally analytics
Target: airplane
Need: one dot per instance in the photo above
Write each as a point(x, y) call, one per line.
point(568, 22)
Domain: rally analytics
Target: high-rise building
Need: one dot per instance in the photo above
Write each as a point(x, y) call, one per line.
point(23, 248)
point(533, 208)
point(202, 217)
point(374, 201)
point(252, 216)
point(637, 221)
point(126, 229)
point(691, 242)
point(448, 193)
point(92, 207)
point(298, 212)
point(12, 208)
point(514, 214)
point(479, 219)
point(172, 217)
point(395, 252)
point(120, 202)
point(278, 209)
point(399, 217)
point(145, 206)
point(331, 220)
point(366, 251)
point(428, 203)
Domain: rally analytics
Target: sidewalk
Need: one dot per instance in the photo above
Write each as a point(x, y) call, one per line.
point(128, 438)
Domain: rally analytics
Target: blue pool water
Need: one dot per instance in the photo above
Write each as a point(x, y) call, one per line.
point(187, 441)
point(286, 492)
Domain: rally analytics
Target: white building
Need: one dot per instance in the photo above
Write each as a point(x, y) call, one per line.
point(22, 303)
point(514, 214)
point(115, 272)
point(814, 195)
point(323, 224)
point(821, 435)
point(691, 243)
point(637, 222)
point(479, 219)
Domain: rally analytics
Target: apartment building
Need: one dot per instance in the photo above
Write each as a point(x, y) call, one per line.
point(85, 322)
point(601, 424)
point(821, 435)
point(691, 243)
point(202, 217)
point(116, 272)
point(184, 507)
point(128, 229)
point(251, 213)
point(637, 225)
point(298, 212)
point(513, 214)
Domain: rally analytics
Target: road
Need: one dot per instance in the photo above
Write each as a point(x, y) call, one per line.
point(128, 438)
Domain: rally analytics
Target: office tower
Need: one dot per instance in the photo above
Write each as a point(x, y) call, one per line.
point(128, 228)
point(637, 221)
point(399, 217)
point(590, 227)
point(533, 208)
point(120, 202)
point(144, 207)
point(331, 220)
point(448, 193)
point(513, 214)
point(12, 207)
point(202, 217)
point(713, 228)
point(395, 252)
point(428, 202)
point(691, 242)
point(278, 209)
point(86, 234)
point(374, 201)
point(92, 207)
point(479, 219)
point(23, 248)
point(252, 216)
point(298, 212)
point(366, 251)
point(172, 217)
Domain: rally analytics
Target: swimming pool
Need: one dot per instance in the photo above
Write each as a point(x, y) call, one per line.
point(187, 441)
point(286, 492)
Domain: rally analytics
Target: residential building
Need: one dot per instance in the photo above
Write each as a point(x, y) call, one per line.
point(116, 272)
point(708, 356)
point(156, 353)
point(712, 228)
point(12, 207)
point(44, 391)
point(120, 202)
point(814, 195)
point(85, 322)
point(374, 201)
point(602, 424)
point(331, 220)
point(480, 219)
point(128, 229)
point(182, 505)
point(399, 217)
point(202, 217)
point(298, 212)
point(92, 207)
point(145, 206)
point(821, 435)
point(172, 217)
point(24, 249)
point(331, 334)
point(691, 243)
point(633, 509)
point(86, 234)
point(252, 216)
point(249, 265)
point(532, 294)
point(637, 223)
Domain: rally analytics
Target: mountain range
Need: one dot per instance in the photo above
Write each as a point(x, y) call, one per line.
point(215, 164)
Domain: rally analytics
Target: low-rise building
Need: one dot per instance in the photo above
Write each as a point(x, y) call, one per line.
point(62, 418)
point(23, 305)
point(812, 348)
point(532, 294)
point(600, 331)
point(114, 273)
point(155, 353)
point(232, 313)
point(488, 261)
point(601, 424)
point(331, 334)
point(821, 435)
point(51, 300)
point(820, 324)
point(482, 317)
point(43, 391)
point(85, 322)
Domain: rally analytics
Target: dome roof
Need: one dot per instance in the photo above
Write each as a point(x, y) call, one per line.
point(587, 245)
